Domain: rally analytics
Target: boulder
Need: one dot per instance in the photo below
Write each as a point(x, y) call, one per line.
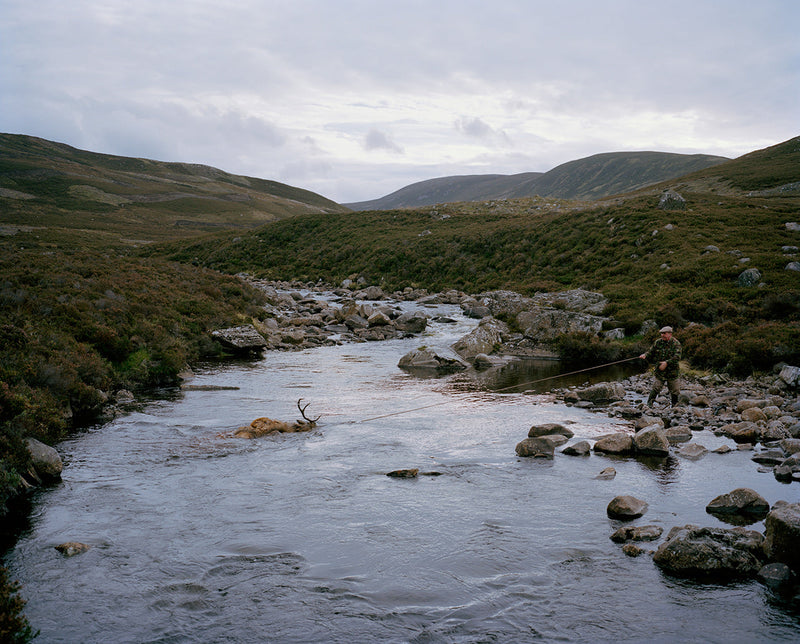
point(549, 428)
point(652, 441)
point(678, 434)
point(72, 548)
point(378, 318)
point(790, 375)
point(790, 445)
point(671, 200)
point(782, 534)
point(602, 392)
point(749, 277)
point(545, 324)
point(742, 500)
point(581, 448)
point(717, 553)
point(411, 322)
point(626, 507)
point(482, 339)
point(776, 575)
point(619, 443)
point(637, 533)
point(694, 451)
point(745, 432)
point(431, 359)
point(371, 293)
point(240, 339)
point(753, 415)
point(646, 421)
point(606, 474)
point(538, 447)
point(46, 461)
point(409, 473)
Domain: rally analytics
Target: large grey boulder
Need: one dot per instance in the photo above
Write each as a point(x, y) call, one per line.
point(240, 339)
point(543, 324)
point(436, 360)
point(782, 536)
point(411, 322)
point(742, 501)
point(46, 462)
point(482, 339)
point(602, 392)
point(651, 441)
point(717, 553)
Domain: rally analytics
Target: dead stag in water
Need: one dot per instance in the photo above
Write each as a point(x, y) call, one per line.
point(266, 426)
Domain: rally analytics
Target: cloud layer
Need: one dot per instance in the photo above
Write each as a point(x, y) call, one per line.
point(354, 99)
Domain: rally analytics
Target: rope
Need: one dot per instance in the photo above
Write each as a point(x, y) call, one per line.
point(522, 384)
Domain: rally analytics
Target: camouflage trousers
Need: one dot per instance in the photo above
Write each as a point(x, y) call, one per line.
point(673, 386)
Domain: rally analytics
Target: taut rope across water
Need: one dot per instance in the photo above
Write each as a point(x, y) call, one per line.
point(445, 402)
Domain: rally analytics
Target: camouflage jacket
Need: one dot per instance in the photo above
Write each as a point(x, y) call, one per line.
point(669, 350)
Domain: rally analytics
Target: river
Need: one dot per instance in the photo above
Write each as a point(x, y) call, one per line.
point(199, 537)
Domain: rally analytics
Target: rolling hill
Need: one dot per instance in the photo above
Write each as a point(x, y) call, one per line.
point(594, 177)
point(54, 186)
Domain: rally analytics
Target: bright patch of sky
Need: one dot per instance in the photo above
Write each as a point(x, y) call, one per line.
point(355, 99)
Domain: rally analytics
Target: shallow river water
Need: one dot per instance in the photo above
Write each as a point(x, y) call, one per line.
point(199, 537)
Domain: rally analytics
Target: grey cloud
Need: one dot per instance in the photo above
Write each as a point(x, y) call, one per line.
point(377, 140)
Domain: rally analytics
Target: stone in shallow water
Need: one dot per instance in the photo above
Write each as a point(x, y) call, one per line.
point(626, 507)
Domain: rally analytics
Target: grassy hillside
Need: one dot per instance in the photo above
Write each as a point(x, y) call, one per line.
point(594, 177)
point(678, 267)
point(132, 201)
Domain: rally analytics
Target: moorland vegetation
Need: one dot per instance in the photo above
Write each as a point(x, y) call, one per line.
point(111, 280)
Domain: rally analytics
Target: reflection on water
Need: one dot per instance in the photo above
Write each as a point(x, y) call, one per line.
point(199, 537)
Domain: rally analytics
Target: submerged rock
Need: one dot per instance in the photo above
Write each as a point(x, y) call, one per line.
point(72, 548)
point(637, 533)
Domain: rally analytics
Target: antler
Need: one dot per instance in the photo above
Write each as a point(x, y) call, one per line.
point(303, 412)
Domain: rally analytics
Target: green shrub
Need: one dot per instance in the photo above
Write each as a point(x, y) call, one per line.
point(14, 626)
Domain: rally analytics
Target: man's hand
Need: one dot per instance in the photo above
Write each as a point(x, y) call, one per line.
point(662, 366)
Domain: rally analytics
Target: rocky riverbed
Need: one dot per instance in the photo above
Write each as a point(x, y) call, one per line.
point(760, 414)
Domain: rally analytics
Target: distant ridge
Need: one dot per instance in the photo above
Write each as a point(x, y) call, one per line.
point(594, 177)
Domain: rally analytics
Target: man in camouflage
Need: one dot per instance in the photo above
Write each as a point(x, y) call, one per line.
point(665, 354)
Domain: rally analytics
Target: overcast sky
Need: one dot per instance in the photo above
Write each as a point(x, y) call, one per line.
point(355, 99)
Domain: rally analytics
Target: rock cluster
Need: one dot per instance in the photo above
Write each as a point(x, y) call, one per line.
point(761, 414)
point(294, 321)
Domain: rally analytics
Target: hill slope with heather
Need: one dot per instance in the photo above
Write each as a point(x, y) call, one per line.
point(680, 267)
point(54, 186)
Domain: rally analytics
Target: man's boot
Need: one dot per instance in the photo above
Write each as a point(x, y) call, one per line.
point(673, 399)
point(651, 399)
